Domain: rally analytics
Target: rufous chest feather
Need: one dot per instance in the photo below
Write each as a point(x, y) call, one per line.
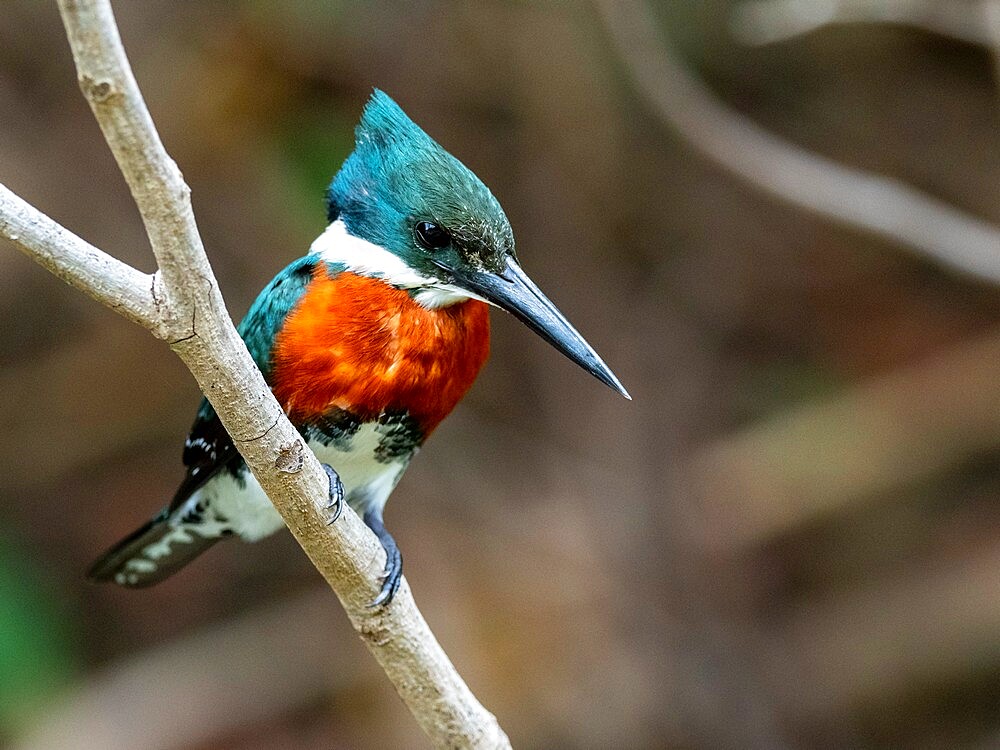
point(358, 344)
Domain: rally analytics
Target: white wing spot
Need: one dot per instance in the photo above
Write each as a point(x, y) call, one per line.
point(140, 565)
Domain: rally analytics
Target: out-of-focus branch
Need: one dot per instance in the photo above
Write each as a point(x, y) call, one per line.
point(814, 460)
point(182, 304)
point(990, 10)
point(879, 205)
point(883, 640)
point(264, 664)
point(758, 22)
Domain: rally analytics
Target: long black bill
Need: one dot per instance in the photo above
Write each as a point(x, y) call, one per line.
point(513, 291)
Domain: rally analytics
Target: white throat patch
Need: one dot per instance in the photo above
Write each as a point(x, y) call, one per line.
point(336, 245)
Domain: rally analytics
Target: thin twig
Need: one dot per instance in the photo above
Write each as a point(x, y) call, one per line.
point(759, 22)
point(884, 207)
point(990, 12)
point(77, 262)
point(191, 314)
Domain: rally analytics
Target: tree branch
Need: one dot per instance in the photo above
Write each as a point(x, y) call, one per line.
point(158, 188)
point(77, 262)
point(759, 22)
point(191, 315)
point(881, 206)
point(990, 11)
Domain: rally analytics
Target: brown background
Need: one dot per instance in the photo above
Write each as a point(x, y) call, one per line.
point(790, 538)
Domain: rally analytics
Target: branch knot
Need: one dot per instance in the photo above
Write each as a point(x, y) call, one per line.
point(291, 457)
point(98, 91)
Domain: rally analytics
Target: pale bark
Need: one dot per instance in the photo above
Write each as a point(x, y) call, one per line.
point(77, 262)
point(182, 305)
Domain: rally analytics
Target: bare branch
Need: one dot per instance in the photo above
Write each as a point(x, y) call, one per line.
point(192, 315)
point(78, 263)
point(158, 188)
point(990, 10)
point(759, 22)
point(879, 205)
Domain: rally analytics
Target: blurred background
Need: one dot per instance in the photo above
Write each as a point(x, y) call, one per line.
point(790, 539)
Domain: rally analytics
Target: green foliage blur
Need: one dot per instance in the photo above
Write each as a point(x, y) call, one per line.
point(38, 654)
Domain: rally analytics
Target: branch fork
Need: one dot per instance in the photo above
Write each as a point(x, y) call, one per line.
point(181, 304)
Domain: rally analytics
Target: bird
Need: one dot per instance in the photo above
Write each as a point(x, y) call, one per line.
point(368, 342)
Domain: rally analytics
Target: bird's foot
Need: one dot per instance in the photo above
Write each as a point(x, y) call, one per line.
point(336, 504)
point(392, 575)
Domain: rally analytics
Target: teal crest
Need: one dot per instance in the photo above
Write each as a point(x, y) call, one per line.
point(398, 175)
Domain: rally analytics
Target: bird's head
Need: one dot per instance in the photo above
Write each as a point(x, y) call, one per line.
point(405, 210)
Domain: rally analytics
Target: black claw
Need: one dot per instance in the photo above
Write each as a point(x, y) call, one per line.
point(393, 572)
point(336, 503)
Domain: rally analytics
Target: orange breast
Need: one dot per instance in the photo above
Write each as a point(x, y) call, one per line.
point(358, 344)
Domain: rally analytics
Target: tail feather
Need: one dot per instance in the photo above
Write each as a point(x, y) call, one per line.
point(155, 551)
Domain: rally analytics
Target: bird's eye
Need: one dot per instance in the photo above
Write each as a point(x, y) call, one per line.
point(431, 236)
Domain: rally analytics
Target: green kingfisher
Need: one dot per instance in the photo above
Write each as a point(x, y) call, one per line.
point(367, 342)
